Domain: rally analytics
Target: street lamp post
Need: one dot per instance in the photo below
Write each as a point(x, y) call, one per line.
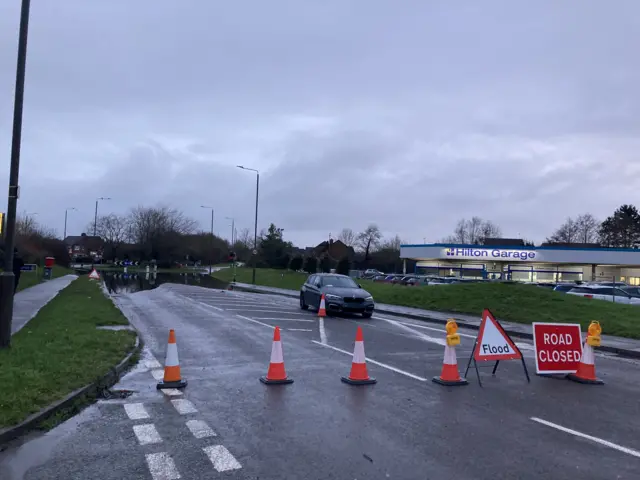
point(95, 225)
point(233, 242)
point(7, 282)
point(211, 252)
point(255, 231)
point(64, 235)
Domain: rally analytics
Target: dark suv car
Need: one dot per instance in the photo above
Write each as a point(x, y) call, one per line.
point(341, 294)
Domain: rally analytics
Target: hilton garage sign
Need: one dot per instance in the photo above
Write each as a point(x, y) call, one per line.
point(495, 254)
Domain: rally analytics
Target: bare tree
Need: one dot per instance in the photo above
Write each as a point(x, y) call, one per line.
point(473, 231)
point(392, 244)
point(245, 238)
point(568, 232)
point(587, 228)
point(369, 240)
point(27, 226)
point(152, 227)
point(348, 237)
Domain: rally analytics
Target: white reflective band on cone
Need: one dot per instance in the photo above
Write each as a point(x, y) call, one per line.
point(276, 353)
point(358, 353)
point(587, 355)
point(171, 359)
point(450, 356)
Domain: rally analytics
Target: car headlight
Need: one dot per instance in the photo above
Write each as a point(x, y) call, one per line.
point(329, 296)
point(369, 299)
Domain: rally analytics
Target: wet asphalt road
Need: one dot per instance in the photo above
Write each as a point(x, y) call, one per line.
point(227, 424)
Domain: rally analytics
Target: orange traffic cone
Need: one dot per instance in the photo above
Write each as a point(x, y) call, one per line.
point(322, 309)
point(450, 375)
point(276, 374)
point(359, 374)
point(586, 368)
point(94, 275)
point(172, 378)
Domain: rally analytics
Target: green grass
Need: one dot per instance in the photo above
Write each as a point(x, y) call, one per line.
point(29, 279)
point(508, 301)
point(61, 350)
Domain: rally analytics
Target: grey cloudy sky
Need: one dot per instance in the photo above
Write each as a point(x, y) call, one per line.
point(410, 114)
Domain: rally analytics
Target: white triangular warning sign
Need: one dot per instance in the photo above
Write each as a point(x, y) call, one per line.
point(493, 343)
point(94, 274)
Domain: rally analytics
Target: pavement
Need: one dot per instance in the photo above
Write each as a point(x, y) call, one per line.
point(226, 424)
point(624, 346)
point(28, 302)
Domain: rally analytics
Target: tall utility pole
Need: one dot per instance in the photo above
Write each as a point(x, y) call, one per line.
point(255, 231)
point(211, 247)
point(95, 224)
point(64, 235)
point(7, 278)
point(233, 242)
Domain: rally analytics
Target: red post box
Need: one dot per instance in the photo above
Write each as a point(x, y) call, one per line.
point(49, 262)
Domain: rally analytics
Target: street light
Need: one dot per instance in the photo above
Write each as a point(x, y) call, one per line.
point(233, 242)
point(95, 224)
point(7, 282)
point(65, 221)
point(211, 253)
point(233, 225)
point(255, 231)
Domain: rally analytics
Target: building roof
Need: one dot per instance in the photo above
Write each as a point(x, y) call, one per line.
point(87, 241)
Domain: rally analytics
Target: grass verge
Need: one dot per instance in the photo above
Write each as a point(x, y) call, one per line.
point(508, 301)
point(29, 279)
point(61, 350)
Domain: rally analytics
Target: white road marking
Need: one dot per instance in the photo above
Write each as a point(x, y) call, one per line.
point(152, 363)
point(323, 332)
point(200, 429)
point(258, 310)
point(136, 411)
point(184, 407)
point(217, 308)
point(285, 319)
point(441, 330)
point(416, 333)
point(370, 360)
point(299, 330)
point(171, 392)
point(162, 467)
point(147, 434)
point(221, 458)
point(606, 443)
point(254, 321)
point(158, 374)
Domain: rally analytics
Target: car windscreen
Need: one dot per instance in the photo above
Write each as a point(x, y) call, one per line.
point(342, 282)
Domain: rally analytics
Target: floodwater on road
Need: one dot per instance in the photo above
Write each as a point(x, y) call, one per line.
point(123, 283)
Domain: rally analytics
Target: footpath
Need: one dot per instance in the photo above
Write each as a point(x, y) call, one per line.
point(626, 347)
point(28, 302)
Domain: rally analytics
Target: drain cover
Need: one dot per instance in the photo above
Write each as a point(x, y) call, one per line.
point(109, 394)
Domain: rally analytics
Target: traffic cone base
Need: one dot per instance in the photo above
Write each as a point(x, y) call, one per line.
point(573, 377)
point(285, 381)
point(177, 384)
point(367, 381)
point(450, 383)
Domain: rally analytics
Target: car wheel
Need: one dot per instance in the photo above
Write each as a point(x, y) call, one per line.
point(367, 314)
point(303, 305)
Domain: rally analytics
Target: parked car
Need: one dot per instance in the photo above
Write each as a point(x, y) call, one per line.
point(610, 294)
point(341, 294)
point(565, 287)
point(371, 272)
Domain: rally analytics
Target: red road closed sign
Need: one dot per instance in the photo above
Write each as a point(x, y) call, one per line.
point(558, 347)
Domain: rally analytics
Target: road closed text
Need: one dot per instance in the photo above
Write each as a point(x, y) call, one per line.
point(558, 347)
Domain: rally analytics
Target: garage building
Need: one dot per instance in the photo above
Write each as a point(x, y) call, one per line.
point(511, 259)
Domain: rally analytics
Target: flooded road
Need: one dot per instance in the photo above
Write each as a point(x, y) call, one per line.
point(124, 283)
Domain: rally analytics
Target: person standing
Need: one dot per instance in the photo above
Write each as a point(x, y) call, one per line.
point(18, 263)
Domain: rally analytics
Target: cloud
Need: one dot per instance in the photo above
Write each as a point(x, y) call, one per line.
point(410, 115)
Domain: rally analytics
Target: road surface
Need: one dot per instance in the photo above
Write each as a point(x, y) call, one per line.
point(227, 424)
